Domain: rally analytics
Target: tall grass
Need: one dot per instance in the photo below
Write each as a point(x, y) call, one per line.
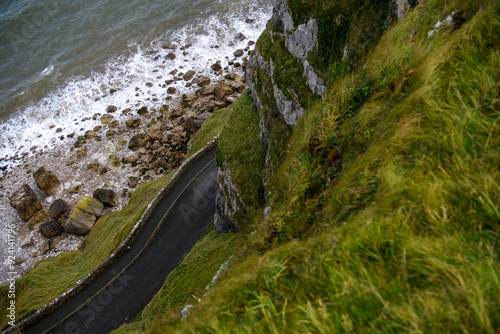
point(386, 210)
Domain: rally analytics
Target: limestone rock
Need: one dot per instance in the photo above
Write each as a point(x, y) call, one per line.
point(130, 159)
point(222, 91)
point(57, 209)
point(216, 67)
point(83, 216)
point(37, 219)
point(50, 229)
point(227, 202)
point(133, 123)
point(137, 142)
point(111, 109)
point(143, 111)
point(26, 203)
point(106, 197)
point(46, 181)
point(106, 119)
point(44, 247)
point(204, 81)
point(27, 242)
point(189, 75)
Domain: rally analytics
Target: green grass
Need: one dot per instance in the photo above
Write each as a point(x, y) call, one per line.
point(49, 278)
point(239, 146)
point(386, 206)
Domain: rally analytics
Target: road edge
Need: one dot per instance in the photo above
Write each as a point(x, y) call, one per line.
point(48, 308)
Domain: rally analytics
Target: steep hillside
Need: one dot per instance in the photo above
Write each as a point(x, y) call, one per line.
point(379, 122)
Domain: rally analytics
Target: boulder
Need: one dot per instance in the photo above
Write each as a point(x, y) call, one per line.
point(133, 123)
point(26, 203)
point(80, 141)
point(46, 181)
point(238, 53)
point(89, 134)
point(83, 216)
point(133, 181)
point(57, 209)
point(216, 67)
point(189, 75)
point(221, 91)
point(37, 219)
point(239, 37)
point(204, 81)
point(106, 119)
point(177, 112)
point(138, 141)
point(27, 241)
point(231, 76)
point(159, 163)
point(171, 90)
point(130, 159)
point(50, 229)
point(44, 247)
point(170, 56)
point(111, 108)
point(143, 111)
point(155, 131)
point(106, 197)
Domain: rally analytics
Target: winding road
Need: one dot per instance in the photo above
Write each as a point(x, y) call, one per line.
point(118, 294)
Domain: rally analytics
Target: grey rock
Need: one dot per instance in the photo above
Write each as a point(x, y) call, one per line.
point(50, 229)
point(105, 196)
point(303, 40)
point(83, 216)
point(227, 204)
point(137, 142)
point(57, 209)
point(133, 123)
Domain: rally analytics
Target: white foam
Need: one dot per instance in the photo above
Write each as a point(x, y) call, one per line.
point(80, 98)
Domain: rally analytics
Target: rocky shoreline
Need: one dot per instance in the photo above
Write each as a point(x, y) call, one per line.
point(55, 195)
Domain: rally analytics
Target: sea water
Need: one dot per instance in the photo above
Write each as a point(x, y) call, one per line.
point(60, 60)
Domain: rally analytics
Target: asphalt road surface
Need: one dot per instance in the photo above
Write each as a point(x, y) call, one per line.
point(107, 305)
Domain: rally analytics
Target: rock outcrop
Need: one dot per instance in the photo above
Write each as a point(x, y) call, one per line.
point(83, 216)
point(228, 202)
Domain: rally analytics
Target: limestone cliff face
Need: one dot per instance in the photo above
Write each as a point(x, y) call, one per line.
point(228, 202)
point(284, 79)
point(281, 72)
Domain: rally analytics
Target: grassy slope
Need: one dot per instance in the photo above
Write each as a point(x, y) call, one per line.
point(386, 211)
point(240, 147)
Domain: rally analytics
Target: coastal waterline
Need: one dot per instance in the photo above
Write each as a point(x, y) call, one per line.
point(61, 60)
